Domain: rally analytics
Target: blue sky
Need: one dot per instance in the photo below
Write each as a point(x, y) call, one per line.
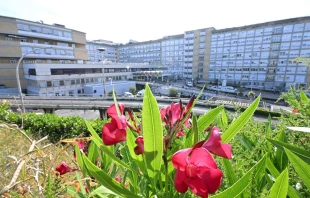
point(143, 20)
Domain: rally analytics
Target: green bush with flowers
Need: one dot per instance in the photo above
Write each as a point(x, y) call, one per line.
point(172, 153)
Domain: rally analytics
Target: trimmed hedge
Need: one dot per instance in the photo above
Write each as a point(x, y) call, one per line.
point(56, 127)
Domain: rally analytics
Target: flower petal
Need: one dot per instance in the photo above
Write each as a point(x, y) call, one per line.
point(179, 183)
point(179, 159)
point(212, 179)
point(112, 110)
point(201, 157)
point(198, 187)
point(214, 144)
point(63, 168)
point(112, 135)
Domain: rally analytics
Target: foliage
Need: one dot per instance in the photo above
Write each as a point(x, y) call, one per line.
point(56, 127)
point(303, 60)
point(268, 158)
point(133, 90)
point(173, 92)
point(110, 93)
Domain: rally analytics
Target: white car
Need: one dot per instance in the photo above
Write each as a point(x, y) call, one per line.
point(189, 84)
point(128, 95)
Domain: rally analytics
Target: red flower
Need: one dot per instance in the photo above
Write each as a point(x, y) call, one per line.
point(63, 168)
point(214, 144)
point(197, 170)
point(115, 131)
point(139, 149)
point(81, 146)
point(87, 189)
point(295, 111)
point(174, 114)
point(118, 179)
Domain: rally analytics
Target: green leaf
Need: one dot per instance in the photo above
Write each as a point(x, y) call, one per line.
point(153, 135)
point(275, 173)
point(240, 122)
point(98, 141)
point(115, 103)
point(71, 191)
point(281, 158)
point(302, 168)
point(303, 154)
point(245, 141)
point(101, 191)
point(229, 170)
point(79, 159)
point(224, 117)
point(279, 188)
point(105, 179)
point(131, 145)
point(195, 129)
point(237, 188)
point(304, 98)
point(93, 152)
point(205, 120)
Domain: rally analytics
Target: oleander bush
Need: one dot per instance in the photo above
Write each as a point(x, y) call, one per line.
point(157, 155)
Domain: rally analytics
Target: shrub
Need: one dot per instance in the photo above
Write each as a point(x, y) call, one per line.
point(173, 92)
point(133, 90)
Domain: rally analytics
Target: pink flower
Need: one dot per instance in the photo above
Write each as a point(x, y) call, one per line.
point(63, 168)
point(214, 144)
point(197, 170)
point(173, 115)
point(295, 111)
point(81, 146)
point(118, 179)
point(115, 131)
point(139, 149)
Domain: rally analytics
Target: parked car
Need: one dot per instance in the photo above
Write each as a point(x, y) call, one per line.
point(128, 95)
point(140, 93)
point(189, 84)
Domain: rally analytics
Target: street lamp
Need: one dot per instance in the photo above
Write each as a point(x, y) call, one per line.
point(102, 50)
point(17, 75)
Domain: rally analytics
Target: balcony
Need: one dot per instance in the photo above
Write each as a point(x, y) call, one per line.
point(274, 56)
point(42, 45)
point(42, 35)
point(277, 31)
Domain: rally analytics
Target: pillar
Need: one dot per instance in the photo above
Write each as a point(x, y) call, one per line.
point(103, 113)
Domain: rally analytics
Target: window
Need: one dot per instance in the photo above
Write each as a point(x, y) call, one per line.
point(49, 83)
point(8, 39)
point(23, 40)
point(12, 61)
point(61, 83)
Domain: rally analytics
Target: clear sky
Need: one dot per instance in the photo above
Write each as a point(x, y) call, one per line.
point(143, 20)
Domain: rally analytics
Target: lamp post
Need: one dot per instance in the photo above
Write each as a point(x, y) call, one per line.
point(102, 50)
point(17, 75)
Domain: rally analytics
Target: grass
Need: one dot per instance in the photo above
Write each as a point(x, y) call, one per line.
point(14, 149)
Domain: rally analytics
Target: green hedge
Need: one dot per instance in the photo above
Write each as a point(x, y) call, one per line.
point(56, 127)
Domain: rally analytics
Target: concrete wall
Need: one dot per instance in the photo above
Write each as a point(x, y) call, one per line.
point(119, 87)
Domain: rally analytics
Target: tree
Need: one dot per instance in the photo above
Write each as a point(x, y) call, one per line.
point(303, 60)
point(110, 93)
point(173, 92)
point(133, 90)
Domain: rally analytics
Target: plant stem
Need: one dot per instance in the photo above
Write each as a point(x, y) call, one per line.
point(166, 172)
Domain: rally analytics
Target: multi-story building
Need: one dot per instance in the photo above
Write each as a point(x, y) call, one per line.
point(94, 55)
point(261, 55)
point(39, 43)
point(140, 52)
